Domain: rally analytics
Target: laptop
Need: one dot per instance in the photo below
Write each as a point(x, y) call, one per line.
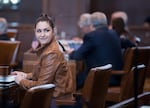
point(7, 79)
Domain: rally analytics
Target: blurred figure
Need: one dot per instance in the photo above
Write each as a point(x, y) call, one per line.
point(86, 26)
point(124, 16)
point(119, 26)
point(3, 29)
point(85, 23)
point(119, 14)
point(147, 22)
point(77, 38)
point(100, 47)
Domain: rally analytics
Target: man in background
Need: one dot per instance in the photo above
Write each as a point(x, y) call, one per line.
point(3, 29)
point(100, 46)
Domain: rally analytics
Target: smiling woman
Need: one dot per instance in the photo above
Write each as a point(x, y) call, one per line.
point(44, 33)
point(50, 65)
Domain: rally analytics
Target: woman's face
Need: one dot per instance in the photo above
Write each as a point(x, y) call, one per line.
point(43, 32)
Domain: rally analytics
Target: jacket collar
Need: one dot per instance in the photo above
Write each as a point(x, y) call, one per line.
point(102, 28)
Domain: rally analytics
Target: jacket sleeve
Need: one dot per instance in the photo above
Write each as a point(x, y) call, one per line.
point(83, 50)
point(45, 72)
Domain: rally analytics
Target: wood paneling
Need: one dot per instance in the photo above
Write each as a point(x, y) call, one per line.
point(137, 10)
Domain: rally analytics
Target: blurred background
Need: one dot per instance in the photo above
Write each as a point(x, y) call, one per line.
point(21, 15)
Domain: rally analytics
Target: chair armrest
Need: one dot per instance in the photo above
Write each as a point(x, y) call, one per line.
point(118, 72)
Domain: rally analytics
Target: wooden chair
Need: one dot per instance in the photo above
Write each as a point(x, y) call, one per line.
point(9, 51)
point(95, 87)
point(12, 34)
point(94, 90)
point(29, 60)
point(4, 70)
point(143, 99)
point(133, 57)
point(69, 99)
point(136, 56)
point(38, 97)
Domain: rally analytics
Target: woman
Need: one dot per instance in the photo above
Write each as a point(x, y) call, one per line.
point(50, 66)
point(3, 29)
point(127, 40)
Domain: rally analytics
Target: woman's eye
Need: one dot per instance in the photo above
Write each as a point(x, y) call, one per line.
point(38, 30)
point(46, 30)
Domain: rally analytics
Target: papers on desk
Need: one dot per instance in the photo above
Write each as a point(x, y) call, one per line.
point(67, 44)
point(7, 79)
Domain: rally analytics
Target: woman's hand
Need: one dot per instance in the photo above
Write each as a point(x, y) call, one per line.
point(34, 44)
point(19, 76)
point(69, 50)
point(18, 73)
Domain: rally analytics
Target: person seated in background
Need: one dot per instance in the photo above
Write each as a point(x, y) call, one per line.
point(50, 67)
point(3, 29)
point(100, 46)
point(85, 23)
point(119, 26)
point(75, 42)
point(77, 38)
point(147, 22)
point(121, 14)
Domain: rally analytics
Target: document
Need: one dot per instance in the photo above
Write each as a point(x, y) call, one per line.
point(7, 79)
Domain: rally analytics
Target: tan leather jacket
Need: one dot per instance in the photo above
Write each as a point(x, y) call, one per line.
point(50, 67)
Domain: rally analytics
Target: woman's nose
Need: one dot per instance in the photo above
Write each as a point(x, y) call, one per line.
point(42, 33)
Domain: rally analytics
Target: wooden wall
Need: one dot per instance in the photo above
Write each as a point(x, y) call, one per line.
point(27, 12)
point(137, 10)
point(66, 14)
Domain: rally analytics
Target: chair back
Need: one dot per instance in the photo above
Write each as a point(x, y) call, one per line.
point(133, 57)
point(96, 85)
point(72, 73)
point(9, 51)
point(29, 59)
point(4, 70)
point(143, 100)
point(38, 97)
point(136, 56)
point(12, 34)
point(127, 83)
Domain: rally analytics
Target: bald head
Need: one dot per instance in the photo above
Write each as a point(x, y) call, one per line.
point(99, 19)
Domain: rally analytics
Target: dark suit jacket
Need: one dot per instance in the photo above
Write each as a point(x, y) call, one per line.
point(125, 43)
point(100, 47)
